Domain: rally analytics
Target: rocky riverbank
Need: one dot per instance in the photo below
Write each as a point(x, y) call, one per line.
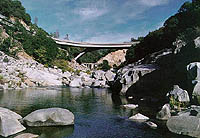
point(26, 72)
point(169, 77)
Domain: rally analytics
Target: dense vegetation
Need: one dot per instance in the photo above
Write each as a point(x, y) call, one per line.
point(14, 8)
point(94, 56)
point(184, 25)
point(35, 41)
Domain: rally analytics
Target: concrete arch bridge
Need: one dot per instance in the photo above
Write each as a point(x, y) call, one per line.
point(93, 46)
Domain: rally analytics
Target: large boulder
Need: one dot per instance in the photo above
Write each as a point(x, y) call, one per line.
point(129, 75)
point(193, 70)
point(165, 113)
point(50, 117)
point(186, 122)
point(42, 77)
point(179, 94)
point(193, 110)
point(67, 74)
point(9, 124)
point(99, 84)
point(87, 80)
point(10, 113)
point(110, 76)
point(76, 82)
point(185, 125)
point(99, 75)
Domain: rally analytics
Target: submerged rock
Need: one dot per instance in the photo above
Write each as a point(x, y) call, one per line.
point(50, 117)
point(130, 106)
point(9, 124)
point(138, 117)
point(27, 135)
point(151, 124)
point(165, 113)
point(185, 125)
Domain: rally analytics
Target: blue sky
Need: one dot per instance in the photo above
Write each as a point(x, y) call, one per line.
point(101, 20)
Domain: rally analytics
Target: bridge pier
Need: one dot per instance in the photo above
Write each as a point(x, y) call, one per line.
point(84, 52)
point(79, 55)
point(90, 65)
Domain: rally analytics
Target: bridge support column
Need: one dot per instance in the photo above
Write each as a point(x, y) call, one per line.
point(84, 52)
point(79, 55)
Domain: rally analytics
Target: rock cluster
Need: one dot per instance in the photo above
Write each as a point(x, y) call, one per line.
point(186, 122)
point(23, 73)
point(162, 71)
point(114, 58)
point(10, 123)
point(129, 75)
point(179, 94)
point(97, 79)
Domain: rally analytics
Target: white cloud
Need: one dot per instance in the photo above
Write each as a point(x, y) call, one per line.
point(152, 3)
point(90, 9)
point(90, 12)
point(61, 1)
point(82, 19)
point(110, 38)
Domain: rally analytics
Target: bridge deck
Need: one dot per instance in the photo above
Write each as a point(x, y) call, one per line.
point(93, 45)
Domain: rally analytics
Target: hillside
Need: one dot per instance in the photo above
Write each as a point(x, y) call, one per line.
point(184, 25)
point(22, 35)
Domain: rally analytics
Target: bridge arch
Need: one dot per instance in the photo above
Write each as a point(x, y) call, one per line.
point(93, 46)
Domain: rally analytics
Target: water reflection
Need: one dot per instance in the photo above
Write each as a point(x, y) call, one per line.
point(97, 113)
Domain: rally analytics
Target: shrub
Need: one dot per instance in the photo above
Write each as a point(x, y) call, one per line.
point(1, 79)
point(14, 8)
point(6, 59)
point(104, 66)
point(181, 24)
point(63, 65)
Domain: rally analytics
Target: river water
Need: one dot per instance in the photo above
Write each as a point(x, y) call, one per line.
point(97, 113)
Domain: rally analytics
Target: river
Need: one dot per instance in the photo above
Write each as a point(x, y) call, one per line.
point(97, 114)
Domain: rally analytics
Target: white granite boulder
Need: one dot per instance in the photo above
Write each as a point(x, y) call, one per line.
point(9, 124)
point(193, 72)
point(76, 82)
point(185, 125)
point(139, 117)
point(179, 94)
point(50, 117)
point(110, 76)
point(130, 106)
point(165, 113)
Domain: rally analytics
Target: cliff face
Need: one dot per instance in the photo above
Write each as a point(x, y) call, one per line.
point(114, 58)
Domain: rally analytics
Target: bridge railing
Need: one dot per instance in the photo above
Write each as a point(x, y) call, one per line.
point(94, 45)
